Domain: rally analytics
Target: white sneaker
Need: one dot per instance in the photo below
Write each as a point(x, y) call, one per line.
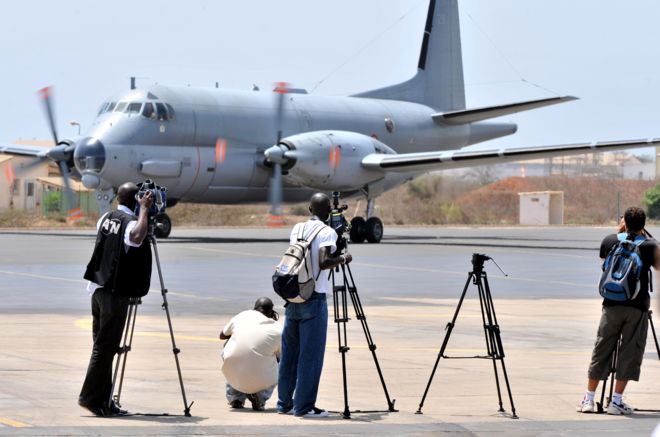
point(619, 409)
point(314, 413)
point(586, 406)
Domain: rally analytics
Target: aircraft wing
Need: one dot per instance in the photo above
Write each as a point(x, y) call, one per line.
point(445, 160)
point(19, 150)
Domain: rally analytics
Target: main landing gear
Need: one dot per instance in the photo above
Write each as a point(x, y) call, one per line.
point(370, 229)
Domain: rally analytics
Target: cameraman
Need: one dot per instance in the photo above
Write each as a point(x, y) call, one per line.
point(625, 320)
point(305, 324)
point(120, 269)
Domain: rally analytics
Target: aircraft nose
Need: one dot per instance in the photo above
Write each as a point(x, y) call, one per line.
point(89, 158)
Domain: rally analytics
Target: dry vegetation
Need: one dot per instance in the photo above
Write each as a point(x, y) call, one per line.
point(430, 200)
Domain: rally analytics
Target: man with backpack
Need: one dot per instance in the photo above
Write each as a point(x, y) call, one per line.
point(625, 285)
point(305, 325)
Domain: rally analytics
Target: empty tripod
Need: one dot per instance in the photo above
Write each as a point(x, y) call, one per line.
point(494, 347)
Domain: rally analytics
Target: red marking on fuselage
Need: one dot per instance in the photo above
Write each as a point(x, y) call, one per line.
point(220, 150)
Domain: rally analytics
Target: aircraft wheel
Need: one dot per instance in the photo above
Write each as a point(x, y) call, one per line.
point(358, 230)
point(163, 226)
point(374, 228)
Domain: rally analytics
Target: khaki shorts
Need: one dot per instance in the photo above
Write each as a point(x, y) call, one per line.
point(631, 325)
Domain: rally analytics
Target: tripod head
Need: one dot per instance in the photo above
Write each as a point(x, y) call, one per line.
point(338, 222)
point(478, 260)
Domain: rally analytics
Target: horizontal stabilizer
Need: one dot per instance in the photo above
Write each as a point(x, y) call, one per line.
point(427, 161)
point(471, 115)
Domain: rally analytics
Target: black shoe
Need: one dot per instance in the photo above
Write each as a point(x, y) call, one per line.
point(116, 411)
point(257, 405)
point(95, 410)
point(237, 405)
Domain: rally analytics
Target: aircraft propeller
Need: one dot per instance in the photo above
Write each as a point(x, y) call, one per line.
point(276, 155)
point(62, 154)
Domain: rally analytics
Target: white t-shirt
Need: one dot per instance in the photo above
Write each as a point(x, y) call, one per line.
point(250, 355)
point(326, 238)
point(91, 287)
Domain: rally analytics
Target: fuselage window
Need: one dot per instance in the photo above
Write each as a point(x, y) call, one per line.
point(148, 110)
point(121, 106)
point(161, 111)
point(134, 108)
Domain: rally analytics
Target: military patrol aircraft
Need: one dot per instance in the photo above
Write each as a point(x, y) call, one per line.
point(228, 146)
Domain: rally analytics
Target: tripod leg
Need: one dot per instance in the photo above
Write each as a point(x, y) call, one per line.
point(175, 350)
point(129, 325)
point(497, 342)
point(359, 312)
point(613, 371)
point(487, 320)
point(441, 353)
point(655, 337)
point(341, 317)
point(134, 303)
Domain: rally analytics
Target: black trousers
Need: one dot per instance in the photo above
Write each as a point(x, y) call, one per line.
point(109, 317)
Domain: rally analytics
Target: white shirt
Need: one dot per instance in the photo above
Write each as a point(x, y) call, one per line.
point(250, 355)
point(127, 239)
point(326, 238)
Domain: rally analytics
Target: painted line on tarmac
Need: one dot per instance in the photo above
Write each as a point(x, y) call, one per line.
point(14, 423)
point(409, 269)
point(45, 277)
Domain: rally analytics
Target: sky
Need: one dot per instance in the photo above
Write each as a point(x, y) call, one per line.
point(603, 51)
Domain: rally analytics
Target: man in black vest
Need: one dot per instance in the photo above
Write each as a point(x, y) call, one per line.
point(120, 268)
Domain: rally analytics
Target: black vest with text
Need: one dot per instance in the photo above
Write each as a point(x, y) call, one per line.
point(124, 272)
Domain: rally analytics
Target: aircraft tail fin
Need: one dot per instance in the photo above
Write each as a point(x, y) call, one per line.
point(439, 79)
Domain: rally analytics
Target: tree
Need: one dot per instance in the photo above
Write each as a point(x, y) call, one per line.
point(652, 202)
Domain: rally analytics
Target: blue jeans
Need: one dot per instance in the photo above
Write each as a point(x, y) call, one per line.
point(235, 395)
point(303, 348)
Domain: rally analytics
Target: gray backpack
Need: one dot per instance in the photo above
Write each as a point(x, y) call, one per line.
point(293, 279)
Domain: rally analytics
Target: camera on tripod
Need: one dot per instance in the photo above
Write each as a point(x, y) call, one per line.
point(158, 194)
point(338, 222)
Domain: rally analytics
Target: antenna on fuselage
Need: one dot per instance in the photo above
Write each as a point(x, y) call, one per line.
point(217, 84)
point(132, 82)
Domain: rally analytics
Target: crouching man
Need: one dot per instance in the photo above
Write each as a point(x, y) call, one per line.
point(251, 355)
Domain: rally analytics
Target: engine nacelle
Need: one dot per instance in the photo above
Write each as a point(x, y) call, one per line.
point(332, 160)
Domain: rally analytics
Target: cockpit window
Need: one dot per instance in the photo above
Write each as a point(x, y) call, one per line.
point(170, 111)
point(121, 106)
point(148, 110)
point(134, 108)
point(111, 107)
point(161, 111)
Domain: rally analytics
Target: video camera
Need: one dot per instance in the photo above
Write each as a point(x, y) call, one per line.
point(338, 222)
point(157, 193)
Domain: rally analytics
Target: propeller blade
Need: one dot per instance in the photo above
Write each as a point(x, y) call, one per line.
point(46, 94)
point(281, 89)
point(73, 211)
point(275, 195)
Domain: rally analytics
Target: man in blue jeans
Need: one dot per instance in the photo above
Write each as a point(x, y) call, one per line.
point(305, 325)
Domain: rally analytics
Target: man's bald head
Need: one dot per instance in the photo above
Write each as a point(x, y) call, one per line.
point(265, 307)
point(319, 205)
point(126, 195)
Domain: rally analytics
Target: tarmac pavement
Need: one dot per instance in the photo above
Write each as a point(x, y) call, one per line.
point(409, 285)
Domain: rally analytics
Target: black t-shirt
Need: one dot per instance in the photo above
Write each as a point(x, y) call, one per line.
point(647, 251)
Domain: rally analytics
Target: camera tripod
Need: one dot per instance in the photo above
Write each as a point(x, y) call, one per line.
point(129, 329)
point(601, 406)
point(340, 295)
point(494, 346)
